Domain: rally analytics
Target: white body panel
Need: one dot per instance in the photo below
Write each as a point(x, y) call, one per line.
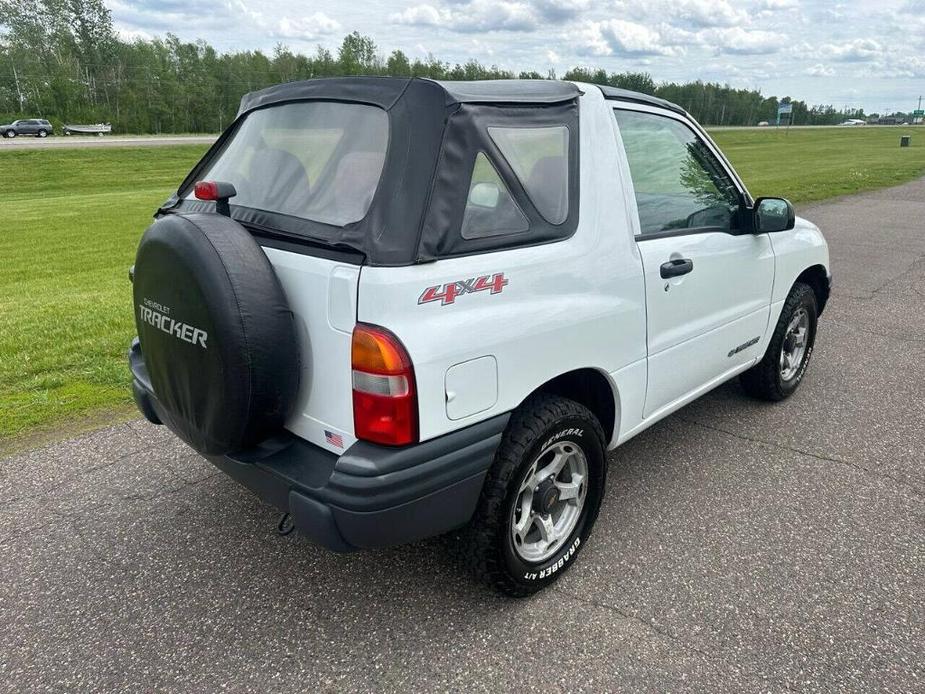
point(322, 295)
point(593, 301)
point(697, 320)
point(577, 303)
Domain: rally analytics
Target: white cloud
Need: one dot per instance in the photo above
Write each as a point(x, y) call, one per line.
point(421, 15)
point(902, 66)
point(776, 5)
point(820, 70)
point(621, 38)
point(738, 41)
point(690, 14)
point(306, 28)
point(560, 10)
point(707, 13)
point(474, 16)
point(494, 15)
point(553, 57)
point(858, 50)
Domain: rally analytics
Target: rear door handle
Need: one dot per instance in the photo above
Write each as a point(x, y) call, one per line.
point(676, 267)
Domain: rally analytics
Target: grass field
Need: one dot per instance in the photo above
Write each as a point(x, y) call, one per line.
point(69, 224)
point(806, 165)
point(70, 220)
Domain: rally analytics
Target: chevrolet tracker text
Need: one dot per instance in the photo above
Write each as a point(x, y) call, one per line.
point(162, 321)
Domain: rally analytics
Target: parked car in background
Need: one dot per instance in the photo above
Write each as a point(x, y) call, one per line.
point(38, 127)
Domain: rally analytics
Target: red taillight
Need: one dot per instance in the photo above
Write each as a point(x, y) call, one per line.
point(384, 400)
point(206, 190)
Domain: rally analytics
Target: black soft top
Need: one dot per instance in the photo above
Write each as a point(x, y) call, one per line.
point(436, 130)
point(384, 92)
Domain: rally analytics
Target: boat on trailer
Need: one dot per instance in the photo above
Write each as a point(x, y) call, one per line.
point(96, 129)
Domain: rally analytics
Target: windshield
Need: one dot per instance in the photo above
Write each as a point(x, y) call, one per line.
point(316, 160)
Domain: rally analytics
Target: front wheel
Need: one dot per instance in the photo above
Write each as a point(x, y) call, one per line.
point(541, 497)
point(42, 133)
point(781, 370)
point(10, 133)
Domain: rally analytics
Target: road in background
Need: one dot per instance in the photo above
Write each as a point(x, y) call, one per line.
point(742, 546)
point(77, 141)
point(156, 140)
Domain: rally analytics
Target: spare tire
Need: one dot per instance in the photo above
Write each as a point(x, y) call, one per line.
point(217, 336)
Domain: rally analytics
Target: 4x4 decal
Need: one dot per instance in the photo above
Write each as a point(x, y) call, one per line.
point(447, 293)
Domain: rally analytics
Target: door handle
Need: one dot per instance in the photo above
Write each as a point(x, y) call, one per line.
point(676, 267)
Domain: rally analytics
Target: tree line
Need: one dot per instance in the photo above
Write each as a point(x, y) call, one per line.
point(62, 60)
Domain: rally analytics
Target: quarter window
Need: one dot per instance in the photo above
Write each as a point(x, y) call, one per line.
point(679, 182)
point(490, 208)
point(539, 158)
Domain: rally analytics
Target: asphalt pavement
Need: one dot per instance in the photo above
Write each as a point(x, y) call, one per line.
point(77, 141)
point(742, 546)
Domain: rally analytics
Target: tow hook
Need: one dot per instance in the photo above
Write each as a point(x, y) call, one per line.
point(285, 525)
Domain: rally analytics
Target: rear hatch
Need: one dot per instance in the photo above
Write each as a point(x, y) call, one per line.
point(294, 164)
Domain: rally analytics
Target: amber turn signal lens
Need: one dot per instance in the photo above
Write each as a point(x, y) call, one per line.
point(376, 350)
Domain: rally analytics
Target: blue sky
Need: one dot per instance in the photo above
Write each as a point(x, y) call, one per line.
point(863, 53)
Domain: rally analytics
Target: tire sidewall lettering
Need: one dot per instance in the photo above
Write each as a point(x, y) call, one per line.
point(559, 564)
point(576, 432)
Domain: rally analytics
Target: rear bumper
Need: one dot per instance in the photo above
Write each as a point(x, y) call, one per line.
point(370, 496)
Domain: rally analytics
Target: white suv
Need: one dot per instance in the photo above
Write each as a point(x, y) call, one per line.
point(395, 308)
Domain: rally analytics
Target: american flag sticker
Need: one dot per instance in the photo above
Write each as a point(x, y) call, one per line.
point(334, 439)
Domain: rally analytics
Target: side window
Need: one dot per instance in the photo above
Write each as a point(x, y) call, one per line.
point(679, 183)
point(490, 208)
point(539, 158)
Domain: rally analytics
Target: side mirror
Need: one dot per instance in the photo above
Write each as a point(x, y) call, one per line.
point(485, 195)
point(773, 214)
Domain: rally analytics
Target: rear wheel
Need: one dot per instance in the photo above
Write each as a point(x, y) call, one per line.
point(781, 370)
point(540, 499)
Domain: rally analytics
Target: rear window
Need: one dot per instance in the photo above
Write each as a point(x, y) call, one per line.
point(315, 160)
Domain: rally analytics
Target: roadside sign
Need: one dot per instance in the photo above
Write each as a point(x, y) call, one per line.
point(918, 113)
point(785, 110)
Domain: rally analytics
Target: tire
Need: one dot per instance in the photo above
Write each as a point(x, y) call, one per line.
point(42, 133)
point(216, 332)
point(770, 379)
point(10, 134)
point(542, 427)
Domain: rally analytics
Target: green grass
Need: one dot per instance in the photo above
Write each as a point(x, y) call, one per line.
point(65, 300)
point(806, 165)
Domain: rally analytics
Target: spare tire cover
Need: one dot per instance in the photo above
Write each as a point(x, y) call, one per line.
point(218, 338)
